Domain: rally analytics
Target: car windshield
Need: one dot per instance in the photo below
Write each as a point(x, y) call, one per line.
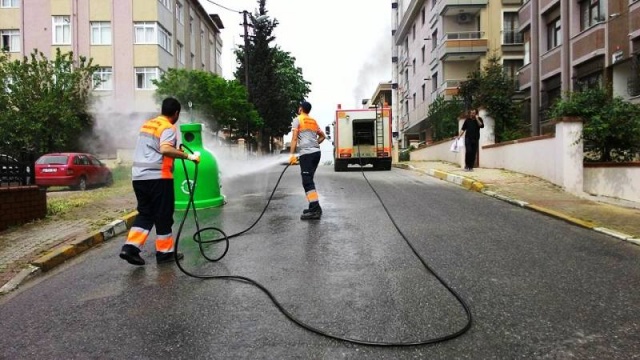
point(53, 160)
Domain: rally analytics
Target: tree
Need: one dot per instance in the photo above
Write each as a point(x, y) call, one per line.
point(276, 86)
point(611, 130)
point(443, 117)
point(46, 102)
point(491, 88)
point(220, 103)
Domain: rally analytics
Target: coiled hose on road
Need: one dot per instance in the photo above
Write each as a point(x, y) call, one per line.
point(225, 238)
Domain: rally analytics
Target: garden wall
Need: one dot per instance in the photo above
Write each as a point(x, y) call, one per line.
point(21, 204)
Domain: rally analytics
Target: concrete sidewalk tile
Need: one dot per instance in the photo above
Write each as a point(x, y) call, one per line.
point(560, 216)
point(55, 257)
point(614, 233)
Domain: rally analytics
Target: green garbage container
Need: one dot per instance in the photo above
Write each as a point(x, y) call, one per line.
point(207, 191)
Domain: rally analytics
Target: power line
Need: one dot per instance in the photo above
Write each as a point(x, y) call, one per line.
point(224, 7)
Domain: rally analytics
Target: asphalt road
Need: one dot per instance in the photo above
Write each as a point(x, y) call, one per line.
point(537, 287)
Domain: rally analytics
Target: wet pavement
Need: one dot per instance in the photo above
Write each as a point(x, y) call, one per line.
point(538, 287)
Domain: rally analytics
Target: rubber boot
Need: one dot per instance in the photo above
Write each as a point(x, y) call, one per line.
point(131, 254)
point(163, 258)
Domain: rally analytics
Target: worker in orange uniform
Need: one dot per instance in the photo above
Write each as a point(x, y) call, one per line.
point(152, 175)
point(307, 137)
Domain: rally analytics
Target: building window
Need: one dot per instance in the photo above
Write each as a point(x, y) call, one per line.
point(406, 107)
point(423, 53)
point(102, 79)
point(510, 33)
point(414, 100)
point(164, 39)
point(591, 81)
point(414, 66)
point(413, 32)
point(9, 3)
point(145, 32)
point(406, 78)
point(61, 30)
point(166, 3)
point(180, 52)
point(424, 92)
point(10, 40)
point(511, 67)
point(434, 40)
point(591, 13)
point(180, 12)
point(434, 82)
point(191, 25)
point(554, 35)
point(422, 15)
point(100, 33)
point(193, 61)
point(152, 33)
point(145, 76)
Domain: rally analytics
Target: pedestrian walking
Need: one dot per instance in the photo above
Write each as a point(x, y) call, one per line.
point(152, 175)
point(471, 131)
point(307, 137)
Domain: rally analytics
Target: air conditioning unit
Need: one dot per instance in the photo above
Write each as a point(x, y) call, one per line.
point(463, 18)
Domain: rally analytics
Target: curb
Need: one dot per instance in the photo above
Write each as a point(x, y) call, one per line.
point(474, 185)
point(64, 252)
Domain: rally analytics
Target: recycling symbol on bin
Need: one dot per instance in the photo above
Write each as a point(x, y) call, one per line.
point(185, 187)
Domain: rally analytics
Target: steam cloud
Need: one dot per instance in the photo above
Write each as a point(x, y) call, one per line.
point(375, 70)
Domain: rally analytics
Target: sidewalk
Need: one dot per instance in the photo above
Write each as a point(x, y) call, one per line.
point(40, 246)
point(617, 218)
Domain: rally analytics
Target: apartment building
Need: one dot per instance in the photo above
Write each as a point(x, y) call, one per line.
point(133, 42)
point(437, 43)
point(575, 44)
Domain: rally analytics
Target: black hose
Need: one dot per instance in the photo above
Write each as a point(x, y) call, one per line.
point(275, 301)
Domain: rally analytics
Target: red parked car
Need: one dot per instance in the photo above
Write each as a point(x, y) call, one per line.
point(78, 170)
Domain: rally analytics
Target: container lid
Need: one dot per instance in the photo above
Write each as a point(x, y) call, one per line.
point(191, 127)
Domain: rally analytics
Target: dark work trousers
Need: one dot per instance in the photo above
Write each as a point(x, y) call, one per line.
point(156, 203)
point(470, 152)
point(308, 165)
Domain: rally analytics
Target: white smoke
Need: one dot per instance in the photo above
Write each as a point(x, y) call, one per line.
point(376, 69)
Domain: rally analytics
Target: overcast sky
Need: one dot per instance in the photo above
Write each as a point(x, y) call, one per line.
point(342, 46)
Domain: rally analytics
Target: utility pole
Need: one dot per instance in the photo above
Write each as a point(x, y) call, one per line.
point(245, 24)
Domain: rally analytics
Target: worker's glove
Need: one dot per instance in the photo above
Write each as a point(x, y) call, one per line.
point(195, 157)
point(293, 159)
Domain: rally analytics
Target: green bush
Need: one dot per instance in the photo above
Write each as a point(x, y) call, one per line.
point(611, 129)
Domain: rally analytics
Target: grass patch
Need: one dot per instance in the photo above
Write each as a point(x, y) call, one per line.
point(58, 206)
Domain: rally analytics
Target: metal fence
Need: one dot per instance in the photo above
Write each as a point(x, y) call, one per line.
point(17, 170)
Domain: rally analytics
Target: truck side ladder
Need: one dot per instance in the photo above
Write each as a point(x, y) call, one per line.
point(379, 132)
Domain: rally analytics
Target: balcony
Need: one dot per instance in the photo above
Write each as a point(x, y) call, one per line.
point(589, 44)
point(512, 2)
point(524, 15)
point(462, 46)
point(524, 77)
point(449, 88)
point(455, 7)
point(512, 40)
